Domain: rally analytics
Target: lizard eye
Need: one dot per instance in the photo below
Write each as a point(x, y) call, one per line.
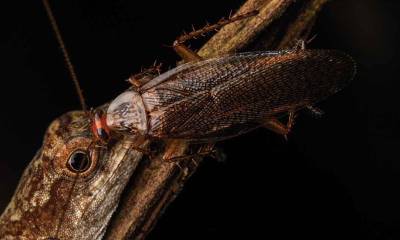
point(77, 157)
point(79, 161)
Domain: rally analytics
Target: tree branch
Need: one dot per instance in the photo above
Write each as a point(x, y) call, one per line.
point(155, 183)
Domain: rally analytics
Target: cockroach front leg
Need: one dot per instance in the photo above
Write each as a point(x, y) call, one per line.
point(301, 44)
point(139, 79)
point(278, 127)
point(189, 55)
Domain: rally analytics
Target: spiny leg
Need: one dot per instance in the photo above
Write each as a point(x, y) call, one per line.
point(204, 151)
point(186, 53)
point(278, 127)
point(315, 111)
point(139, 79)
point(301, 44)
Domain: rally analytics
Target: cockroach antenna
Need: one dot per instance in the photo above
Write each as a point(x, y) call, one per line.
point(67, 58)
point(75, 80)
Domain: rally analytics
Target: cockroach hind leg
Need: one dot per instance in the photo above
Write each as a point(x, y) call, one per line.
point(219, 155)
point(291, 119)
point(315, 111)
point(290, 123)
point(278, 127)
point(189, 55)
point(301, 44)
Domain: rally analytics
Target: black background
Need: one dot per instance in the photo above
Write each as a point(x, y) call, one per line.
point(337, 177)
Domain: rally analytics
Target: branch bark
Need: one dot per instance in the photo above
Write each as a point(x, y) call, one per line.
point(156, 183)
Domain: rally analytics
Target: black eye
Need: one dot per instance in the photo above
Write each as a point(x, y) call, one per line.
point(103, 134)
point(79, 161)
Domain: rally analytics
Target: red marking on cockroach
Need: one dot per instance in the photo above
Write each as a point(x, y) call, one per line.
point(98, 125)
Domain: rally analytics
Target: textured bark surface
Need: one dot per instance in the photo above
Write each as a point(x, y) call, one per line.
point(155, 184)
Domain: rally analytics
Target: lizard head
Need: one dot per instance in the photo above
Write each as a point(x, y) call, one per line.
point(70, 189)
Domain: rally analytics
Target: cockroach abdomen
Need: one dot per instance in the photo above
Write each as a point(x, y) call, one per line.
point(227, 96)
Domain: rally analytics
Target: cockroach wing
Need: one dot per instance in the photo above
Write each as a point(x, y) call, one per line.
point(226, 96)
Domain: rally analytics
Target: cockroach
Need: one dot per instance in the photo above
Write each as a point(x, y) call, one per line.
point(207, 100)
point(226, 96)
point(203, 100)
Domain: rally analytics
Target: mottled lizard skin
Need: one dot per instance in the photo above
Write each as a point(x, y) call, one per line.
point(51, 202)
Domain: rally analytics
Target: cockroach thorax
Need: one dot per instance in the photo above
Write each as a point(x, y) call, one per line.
point(127, 112)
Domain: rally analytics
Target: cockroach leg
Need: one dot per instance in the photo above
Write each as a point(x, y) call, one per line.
point(301, 44)
point(194, 162)
point(139, 79)
point(185, 52)
point(187, 157)
point(278, 127)
point(143, 150)
point(218, 155)
point(206, 150)
point(189, 55)
point(315, 112)
point(179, 166)
point(183, 170)
point(290, 123)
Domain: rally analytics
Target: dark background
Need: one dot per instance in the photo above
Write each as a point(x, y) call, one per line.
point(337, 177)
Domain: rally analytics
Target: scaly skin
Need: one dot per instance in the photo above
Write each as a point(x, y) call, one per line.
point(42, 206)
